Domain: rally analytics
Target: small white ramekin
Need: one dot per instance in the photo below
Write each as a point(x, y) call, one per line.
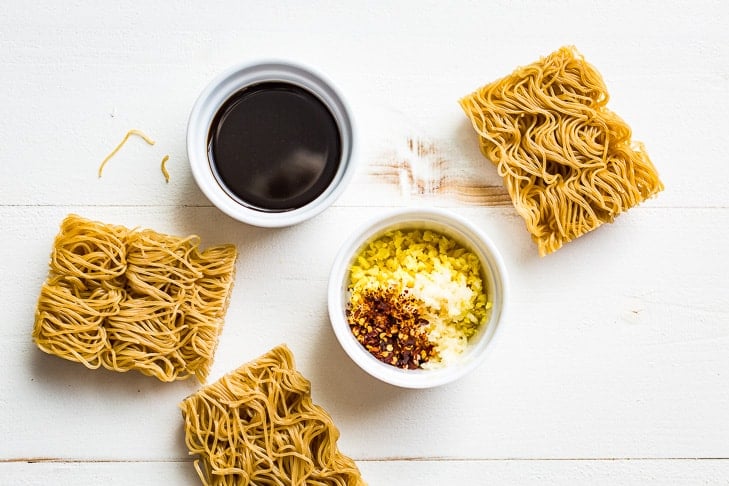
point(227, 84)
point(450, 225)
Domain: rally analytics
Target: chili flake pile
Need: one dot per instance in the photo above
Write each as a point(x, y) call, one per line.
point(416, 297)
point(389, 325)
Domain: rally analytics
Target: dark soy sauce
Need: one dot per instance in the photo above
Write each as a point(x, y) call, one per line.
point(274, 146)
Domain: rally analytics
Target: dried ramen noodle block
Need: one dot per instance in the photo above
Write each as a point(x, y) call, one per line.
point(567, 161)
point(258, 425)
point(134, 300)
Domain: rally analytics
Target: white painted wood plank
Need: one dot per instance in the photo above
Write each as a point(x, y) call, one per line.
point(615, 346)
point(77, 77)
point(97, 473)
point(417, 473)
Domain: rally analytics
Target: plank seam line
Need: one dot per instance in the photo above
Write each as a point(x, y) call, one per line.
point(55, 460)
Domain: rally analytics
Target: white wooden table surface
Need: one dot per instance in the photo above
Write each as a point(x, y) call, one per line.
point(612, 366)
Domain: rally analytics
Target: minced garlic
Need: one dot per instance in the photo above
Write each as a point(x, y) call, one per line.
point(427, 270)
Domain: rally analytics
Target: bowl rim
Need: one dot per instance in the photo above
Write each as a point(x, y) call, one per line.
point(225, 85)
point(453, 225)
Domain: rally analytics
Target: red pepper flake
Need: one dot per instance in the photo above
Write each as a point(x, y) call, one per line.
point(389, 325)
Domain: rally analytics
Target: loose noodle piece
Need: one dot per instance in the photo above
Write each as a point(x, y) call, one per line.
point(134, 300)
point(163, 167)
point(258, 425)
point(567, 161)
point(138, 133)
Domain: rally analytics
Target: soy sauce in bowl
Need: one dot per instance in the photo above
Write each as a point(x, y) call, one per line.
point(274, 146)
point(271, 143)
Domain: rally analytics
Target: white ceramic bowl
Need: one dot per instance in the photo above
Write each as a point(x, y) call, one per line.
point(227, 84)
point(446, 223)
